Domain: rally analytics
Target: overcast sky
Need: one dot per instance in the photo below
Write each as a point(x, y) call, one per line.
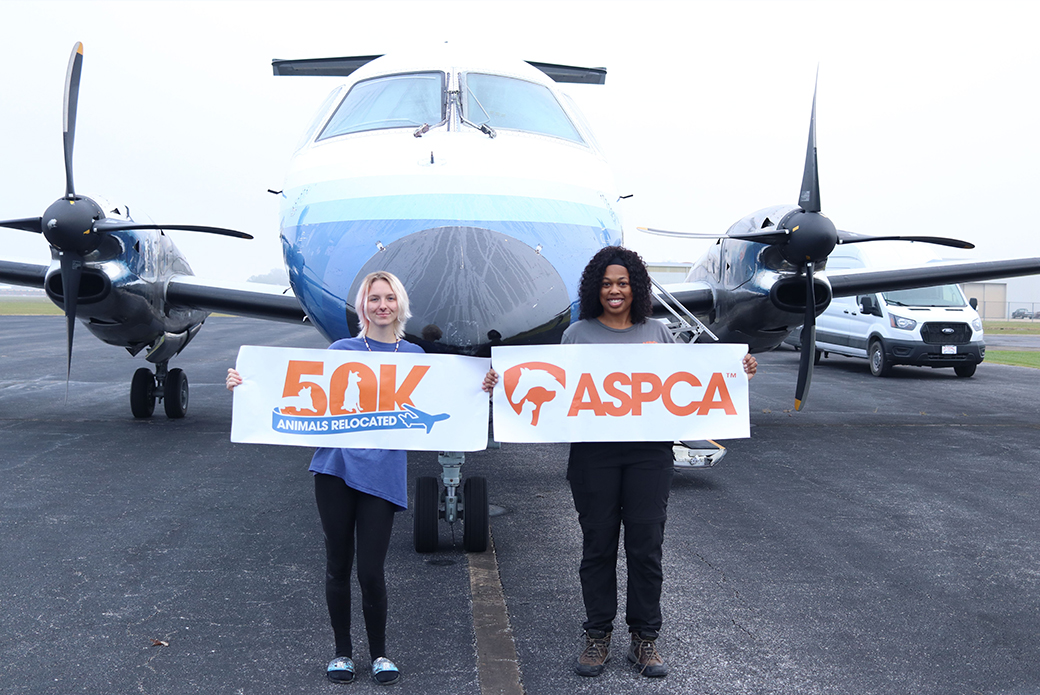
point(926, 114)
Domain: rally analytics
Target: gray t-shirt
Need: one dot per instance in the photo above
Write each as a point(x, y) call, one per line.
point(592, 331)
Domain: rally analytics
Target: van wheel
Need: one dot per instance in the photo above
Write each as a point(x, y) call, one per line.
point(817, 357)
point(965, 370)
point(879, 364)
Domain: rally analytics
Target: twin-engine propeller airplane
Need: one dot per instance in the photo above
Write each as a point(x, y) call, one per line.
point(478, 183)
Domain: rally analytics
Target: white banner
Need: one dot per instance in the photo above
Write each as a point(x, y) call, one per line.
point(610, 393)
point(350, 399)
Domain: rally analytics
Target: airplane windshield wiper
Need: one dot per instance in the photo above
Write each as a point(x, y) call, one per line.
point(483, 127)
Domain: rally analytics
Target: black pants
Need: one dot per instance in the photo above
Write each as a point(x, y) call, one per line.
point(346, 513)
point(612, 483)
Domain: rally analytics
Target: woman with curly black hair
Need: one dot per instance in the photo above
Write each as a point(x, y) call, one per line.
point(590, 306)
point(621, 482)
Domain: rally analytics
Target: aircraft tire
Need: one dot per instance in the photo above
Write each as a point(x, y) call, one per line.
point(879, 364)
point(142, 393)
point(965, 370)
point(425, 516)
point(475, 534)
point(175, 394)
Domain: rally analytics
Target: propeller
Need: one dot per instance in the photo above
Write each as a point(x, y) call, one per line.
point(805, 237)
point(74, 225)
point(812, 238)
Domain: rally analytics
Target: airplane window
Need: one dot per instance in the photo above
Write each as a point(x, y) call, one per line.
point(512, 104)
point(320, 116)
point(397, 101)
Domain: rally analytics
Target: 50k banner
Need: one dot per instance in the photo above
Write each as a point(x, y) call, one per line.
point(609, 393)
point(350, 399)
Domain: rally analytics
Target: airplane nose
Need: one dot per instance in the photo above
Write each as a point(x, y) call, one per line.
point(471, 288)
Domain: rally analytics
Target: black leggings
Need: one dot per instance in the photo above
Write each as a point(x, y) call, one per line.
point(346, 512)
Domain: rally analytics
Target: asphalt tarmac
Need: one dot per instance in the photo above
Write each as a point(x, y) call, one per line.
point(884, 540)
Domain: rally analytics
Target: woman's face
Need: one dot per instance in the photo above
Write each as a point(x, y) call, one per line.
point(615, 292)
point(381, 304)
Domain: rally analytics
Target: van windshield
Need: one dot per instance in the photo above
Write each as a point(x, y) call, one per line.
point(941, 296)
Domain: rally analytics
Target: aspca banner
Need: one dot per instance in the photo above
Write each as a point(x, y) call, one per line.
point(609, 393)
point(349, 399)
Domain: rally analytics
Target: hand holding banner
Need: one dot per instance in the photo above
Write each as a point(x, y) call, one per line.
point(606, 393)
point(350, 399)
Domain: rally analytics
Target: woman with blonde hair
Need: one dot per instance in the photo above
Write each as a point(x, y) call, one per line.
point(358, 491)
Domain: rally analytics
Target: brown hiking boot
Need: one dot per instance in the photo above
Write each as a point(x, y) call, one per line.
point(592, 661)
point(645, 658)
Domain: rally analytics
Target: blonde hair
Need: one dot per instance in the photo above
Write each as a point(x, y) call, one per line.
point(361, 301)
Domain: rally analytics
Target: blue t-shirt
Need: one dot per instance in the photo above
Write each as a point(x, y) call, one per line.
point(379, 472)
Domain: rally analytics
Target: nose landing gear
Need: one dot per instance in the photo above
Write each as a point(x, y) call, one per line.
point(434, 502)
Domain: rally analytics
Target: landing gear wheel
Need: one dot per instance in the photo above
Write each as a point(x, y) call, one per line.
point(427, 501)
point(142, 393)
point(175, 394)
point(879, 364)
point(965, 370)
point(475, 515)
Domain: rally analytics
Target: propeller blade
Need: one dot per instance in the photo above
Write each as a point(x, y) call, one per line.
point(27, 224)
point(71, 272)
point(856, 238)
point(71, 103)
point(110, 225)
point(809, 196)
point(770, 236)
point(773, 236)
point(808, 354)
point(686, 235)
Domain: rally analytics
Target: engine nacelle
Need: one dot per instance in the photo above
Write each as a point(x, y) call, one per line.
point(788, 294)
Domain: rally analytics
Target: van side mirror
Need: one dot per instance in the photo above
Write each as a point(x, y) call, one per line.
point(974, 303)
point(868, 303)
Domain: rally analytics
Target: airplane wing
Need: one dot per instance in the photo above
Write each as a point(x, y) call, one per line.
point(252, 299)
point(27, 274)
point(855, 282)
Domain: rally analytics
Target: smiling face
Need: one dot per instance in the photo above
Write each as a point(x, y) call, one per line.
point(615, 295)
point(381, 309)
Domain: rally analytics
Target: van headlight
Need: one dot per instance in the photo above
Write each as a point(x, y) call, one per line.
point(976, 324)
point(901, 323)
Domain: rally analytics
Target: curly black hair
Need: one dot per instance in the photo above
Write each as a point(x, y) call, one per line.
point(592, 279)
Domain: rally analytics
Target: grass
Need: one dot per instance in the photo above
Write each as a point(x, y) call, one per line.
point(1011, 327)
point(1015, 358)
point(11, 305)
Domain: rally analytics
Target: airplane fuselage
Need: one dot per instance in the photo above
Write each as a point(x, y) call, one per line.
point(489, 229)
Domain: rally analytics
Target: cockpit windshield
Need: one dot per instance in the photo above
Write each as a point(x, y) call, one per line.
point(512, 104)
point(395, 101)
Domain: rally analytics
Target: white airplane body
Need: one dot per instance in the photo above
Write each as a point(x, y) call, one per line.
point(452, 209)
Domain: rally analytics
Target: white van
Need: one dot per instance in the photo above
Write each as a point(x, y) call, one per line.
point(925, 327)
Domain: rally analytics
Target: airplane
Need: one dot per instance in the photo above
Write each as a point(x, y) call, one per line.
point(478, 182)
